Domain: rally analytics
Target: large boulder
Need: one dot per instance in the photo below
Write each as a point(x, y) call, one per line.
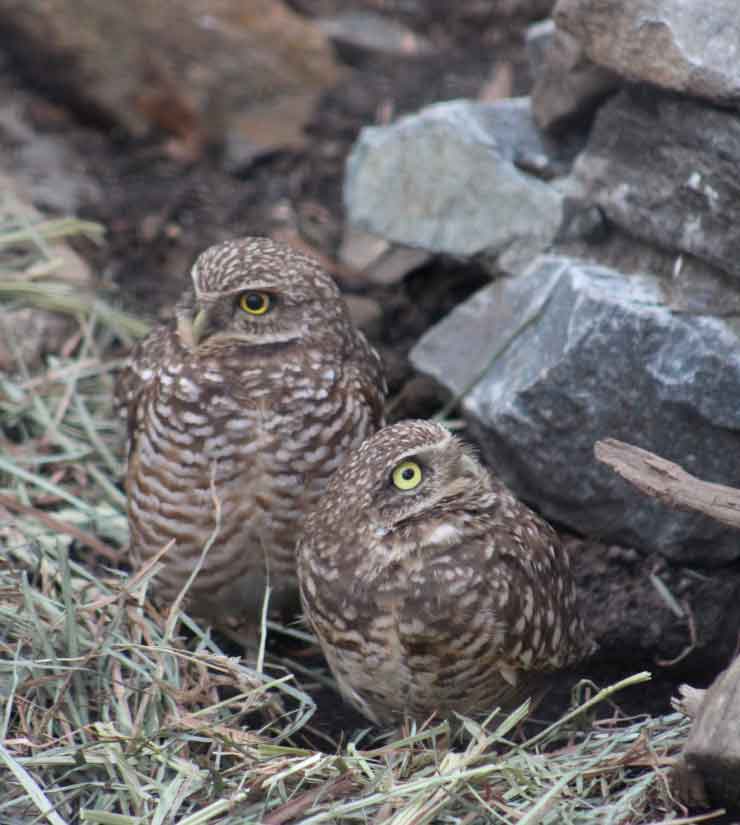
point(682, 45)
point(569, 353)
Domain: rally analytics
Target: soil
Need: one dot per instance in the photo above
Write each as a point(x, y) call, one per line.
point(161, 211)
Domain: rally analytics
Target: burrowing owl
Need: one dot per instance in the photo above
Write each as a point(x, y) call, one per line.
point(237, 416)
point(429, 586)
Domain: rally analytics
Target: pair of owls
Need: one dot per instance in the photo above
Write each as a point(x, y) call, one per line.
point(255, 423)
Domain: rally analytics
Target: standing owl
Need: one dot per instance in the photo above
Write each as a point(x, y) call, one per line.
point(429, 586)
point(237, 415)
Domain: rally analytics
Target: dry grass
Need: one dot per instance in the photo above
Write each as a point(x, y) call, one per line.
point(115, 714)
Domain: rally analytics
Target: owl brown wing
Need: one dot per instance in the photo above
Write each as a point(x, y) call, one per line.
point(496, 599)
point(541, 611)
point(137, 375)
point(370, 380)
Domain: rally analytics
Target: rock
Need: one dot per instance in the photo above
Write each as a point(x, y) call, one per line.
point(538, 40)
point(360, 250)
point(567, 85)
point(680, 45)
point(265, 128)
point(359, 35)
point(372, 260)
point(667, 170)
point(185, 67)
point(708, 770)
point(396, 264)
point(446, 179)
point(569, 353)
point(690, 284)
point(582, 221)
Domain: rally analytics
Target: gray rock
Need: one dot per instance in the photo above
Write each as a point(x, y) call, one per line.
point(682, 45)
point(358, 33)
point(447, 179)
point(368, 259)
point(567, 85)
point(537, 39)
point(667, 170)
point(569, 353)
point(690, 285)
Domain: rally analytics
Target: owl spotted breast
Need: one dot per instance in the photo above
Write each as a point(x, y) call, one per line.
point(237, 415)
point(429, 586)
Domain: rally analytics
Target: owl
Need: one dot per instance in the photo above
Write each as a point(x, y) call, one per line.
point(429, 586)
point(238, 413)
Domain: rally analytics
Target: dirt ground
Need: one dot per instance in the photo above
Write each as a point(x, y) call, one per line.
point(160, 212)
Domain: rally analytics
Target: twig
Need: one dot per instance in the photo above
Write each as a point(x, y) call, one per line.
point(688, 649)
point(670, 483)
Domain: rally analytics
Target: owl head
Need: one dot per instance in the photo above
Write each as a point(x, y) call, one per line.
point(256, 291)
point(405, 473)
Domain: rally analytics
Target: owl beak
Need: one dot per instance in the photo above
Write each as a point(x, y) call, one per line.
point(200, 326)
point(192, 331)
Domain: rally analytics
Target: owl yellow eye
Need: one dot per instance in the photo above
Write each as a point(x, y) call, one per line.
point(255, 303)
point(407, 475)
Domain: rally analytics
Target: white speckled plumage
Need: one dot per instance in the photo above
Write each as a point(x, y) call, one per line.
point(236, 422)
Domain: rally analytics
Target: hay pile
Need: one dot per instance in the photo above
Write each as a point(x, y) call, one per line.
point(114, 714)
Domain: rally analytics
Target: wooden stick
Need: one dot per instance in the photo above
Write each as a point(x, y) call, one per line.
point(669, 482)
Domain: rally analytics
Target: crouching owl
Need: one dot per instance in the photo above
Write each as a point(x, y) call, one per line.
point(429, 586)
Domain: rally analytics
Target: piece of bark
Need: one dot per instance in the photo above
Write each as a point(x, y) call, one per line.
point(670, 483)
point(707, 771)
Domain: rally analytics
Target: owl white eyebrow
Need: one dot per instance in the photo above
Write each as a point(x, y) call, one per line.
point(215, 296)
point(421, 454)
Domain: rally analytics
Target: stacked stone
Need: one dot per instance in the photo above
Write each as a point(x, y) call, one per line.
point(608, 201)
